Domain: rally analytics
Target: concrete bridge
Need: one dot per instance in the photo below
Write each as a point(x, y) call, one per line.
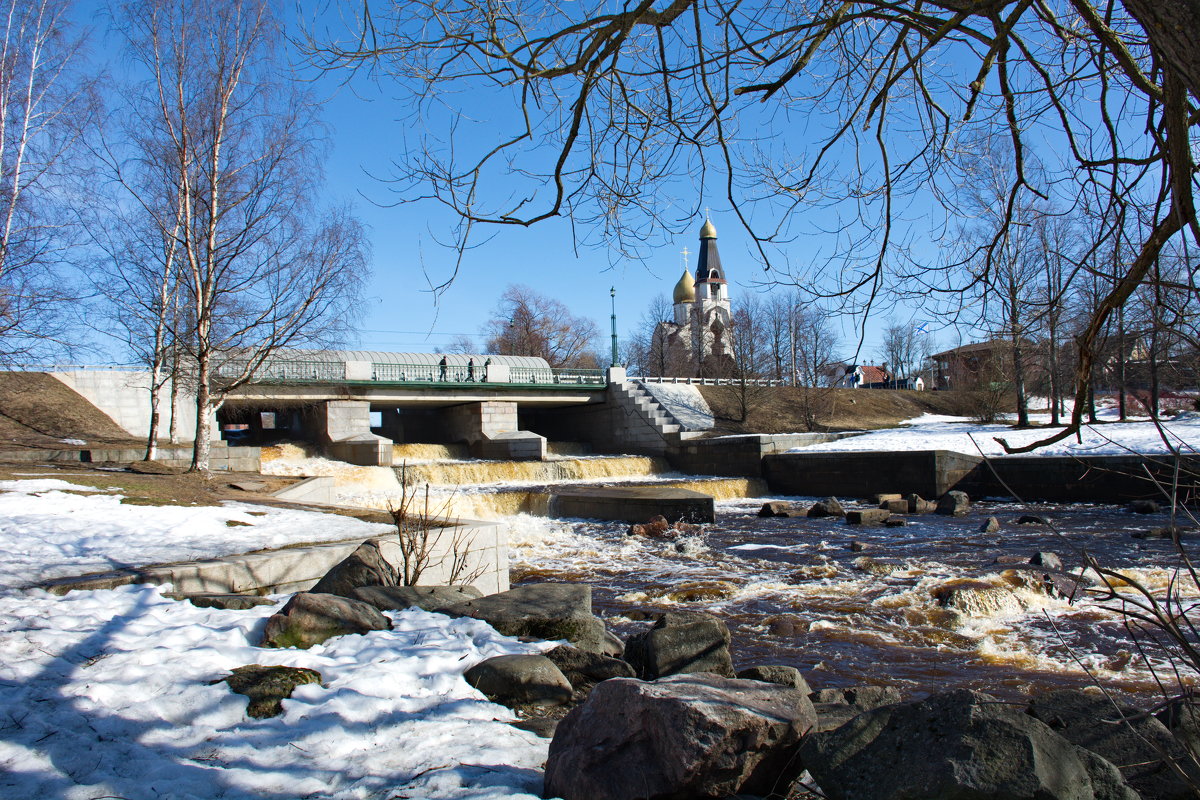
point(356, 404)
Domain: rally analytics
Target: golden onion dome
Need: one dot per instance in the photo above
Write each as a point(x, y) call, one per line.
point(685, 290)
point(709, 231)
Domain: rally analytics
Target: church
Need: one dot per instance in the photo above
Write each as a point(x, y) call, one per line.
point(697, 342)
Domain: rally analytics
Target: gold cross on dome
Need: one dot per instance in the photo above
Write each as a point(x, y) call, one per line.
point(685, 255)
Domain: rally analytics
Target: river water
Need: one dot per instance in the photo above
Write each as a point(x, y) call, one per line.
point(925, 607)
point(933, 605)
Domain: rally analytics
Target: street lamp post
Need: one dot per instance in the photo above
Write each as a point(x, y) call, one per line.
point(612, 293)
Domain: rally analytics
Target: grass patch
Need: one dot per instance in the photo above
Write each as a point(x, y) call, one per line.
point(236, 523)
point(158, 501)
point(778, 409)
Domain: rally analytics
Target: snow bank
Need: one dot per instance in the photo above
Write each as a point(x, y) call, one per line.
point(935, 432)
point(685, 403)
point(47, 531)
point(107, 694)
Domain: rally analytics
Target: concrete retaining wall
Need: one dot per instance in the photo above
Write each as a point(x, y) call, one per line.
point(124, 395)
point(633, 504)
point(739, 455)
point(222, 458)
point(296, 569)
point(1084, 479)
point(929, 473)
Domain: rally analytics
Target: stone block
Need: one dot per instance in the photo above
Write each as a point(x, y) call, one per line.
point(871, 517)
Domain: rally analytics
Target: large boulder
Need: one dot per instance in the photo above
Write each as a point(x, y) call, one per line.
point(681, 738)
point(268, 687)
point(862, 698)
point(228, 602)
point(584, 669)
point(781, 674)
point(959, 745)
point(1135, 742)
point(954, 504)
point(519, 680)
point(310, 618)
point(836, 707)
point(1044, 558)
point(1181, 715)
point(657, 528)
point(775, 508)
point(681, 643)
point(543, 611)
point(428, 598)
point(829, 507)
point(919, 505)
point(366, 566)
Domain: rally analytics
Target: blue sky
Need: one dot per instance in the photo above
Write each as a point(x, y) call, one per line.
point(402, 313)
point(408, 258)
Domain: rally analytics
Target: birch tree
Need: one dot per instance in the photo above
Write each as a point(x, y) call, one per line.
point(46, 107)
point(227, 175)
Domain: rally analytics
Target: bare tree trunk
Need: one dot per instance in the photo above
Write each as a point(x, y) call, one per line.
point(152, 436)
point(1122, 378)
point(1052, 363)
point(1154, 388)
point(174, 431)
point(202, 448)
point(1014, 312)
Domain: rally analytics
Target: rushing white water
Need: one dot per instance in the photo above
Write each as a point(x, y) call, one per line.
point(929, 609)
point(927, 606)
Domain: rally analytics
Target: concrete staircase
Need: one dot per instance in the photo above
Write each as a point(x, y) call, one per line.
point(634, 398)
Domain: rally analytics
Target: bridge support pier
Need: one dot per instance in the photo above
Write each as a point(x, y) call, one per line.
point(490, 428)
point(344, 427)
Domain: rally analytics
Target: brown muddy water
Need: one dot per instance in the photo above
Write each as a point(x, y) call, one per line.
point(935, 605)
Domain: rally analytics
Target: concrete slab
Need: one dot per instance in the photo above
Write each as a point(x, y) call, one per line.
point(483, 546)
point(633, 504)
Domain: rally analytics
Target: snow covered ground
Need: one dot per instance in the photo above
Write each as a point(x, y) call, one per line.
point(933, 432)
point(107, 693)
point(52, 528)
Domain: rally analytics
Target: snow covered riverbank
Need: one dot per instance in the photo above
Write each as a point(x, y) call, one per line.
point(934, 432)
point(109, 693)
point(51, 528)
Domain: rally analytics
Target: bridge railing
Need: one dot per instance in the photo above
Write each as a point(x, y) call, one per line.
point(542, 375)
point(400, 372)
point(287, 371)
point(714, 381)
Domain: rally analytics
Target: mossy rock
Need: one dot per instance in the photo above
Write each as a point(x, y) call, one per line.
point(267, 687)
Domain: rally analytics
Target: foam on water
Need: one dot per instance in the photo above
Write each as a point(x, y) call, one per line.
point(351, 481)
point(925, 607)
